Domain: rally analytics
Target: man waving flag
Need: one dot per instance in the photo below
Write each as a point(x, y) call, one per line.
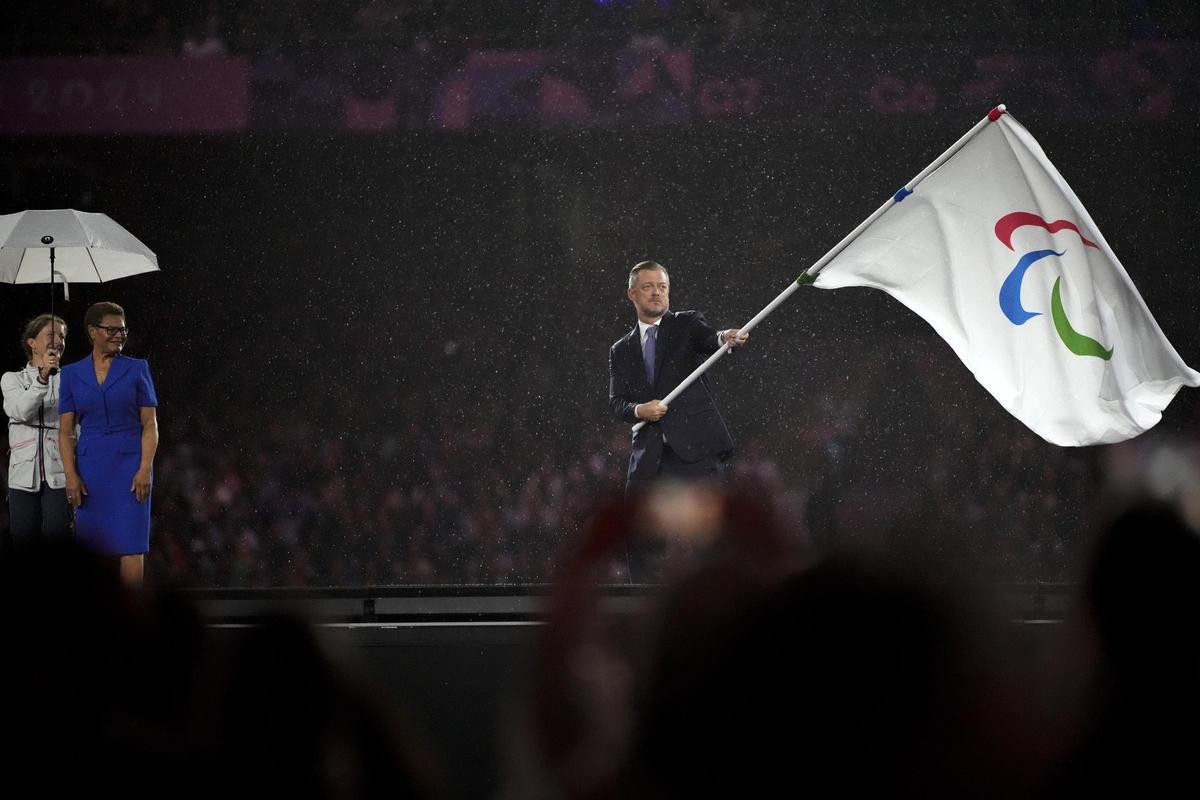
point(994, 250)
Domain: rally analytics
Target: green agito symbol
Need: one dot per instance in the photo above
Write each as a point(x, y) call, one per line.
point(1075, 341)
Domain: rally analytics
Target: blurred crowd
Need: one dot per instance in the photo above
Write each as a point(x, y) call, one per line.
point(395, 64)
point(493, 499)
point(248, 27)
point(423, 504)
point(491, 495)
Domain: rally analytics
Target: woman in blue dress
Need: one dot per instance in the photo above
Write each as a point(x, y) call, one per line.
point(109, 470)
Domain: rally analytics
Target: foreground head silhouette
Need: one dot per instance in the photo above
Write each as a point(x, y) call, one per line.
point(1142, 597)
point(753, 672)
point(113, 690)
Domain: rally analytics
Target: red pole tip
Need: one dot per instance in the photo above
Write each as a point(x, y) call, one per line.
point(995, 113)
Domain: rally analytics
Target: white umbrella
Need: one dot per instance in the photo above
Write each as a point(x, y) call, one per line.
point(67, 246)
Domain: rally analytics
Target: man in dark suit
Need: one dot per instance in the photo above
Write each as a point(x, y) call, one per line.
point(689, 440)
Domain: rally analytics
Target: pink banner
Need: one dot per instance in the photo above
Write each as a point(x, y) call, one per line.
point(123, 95)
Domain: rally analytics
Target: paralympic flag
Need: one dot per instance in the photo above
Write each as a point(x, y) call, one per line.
point(994, 250)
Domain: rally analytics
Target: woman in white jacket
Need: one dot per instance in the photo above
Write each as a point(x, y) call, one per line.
point(37, 502)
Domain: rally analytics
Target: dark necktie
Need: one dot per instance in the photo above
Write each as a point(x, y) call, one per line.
point(651, 333)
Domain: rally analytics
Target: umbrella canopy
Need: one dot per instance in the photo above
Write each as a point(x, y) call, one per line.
point(88, 248)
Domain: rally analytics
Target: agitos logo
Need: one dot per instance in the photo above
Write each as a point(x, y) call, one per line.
point(1010, 290)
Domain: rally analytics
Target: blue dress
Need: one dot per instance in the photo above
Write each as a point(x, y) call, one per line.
point(110, 519)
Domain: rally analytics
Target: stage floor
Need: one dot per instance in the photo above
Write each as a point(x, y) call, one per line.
point(458, 660)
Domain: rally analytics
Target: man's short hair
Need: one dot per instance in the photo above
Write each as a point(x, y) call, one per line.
point(641, 265)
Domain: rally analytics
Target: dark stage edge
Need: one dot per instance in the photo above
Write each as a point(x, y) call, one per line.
point(458, 660)
point(493, 604)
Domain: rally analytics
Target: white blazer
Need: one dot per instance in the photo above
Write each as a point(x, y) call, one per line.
point(32, 410)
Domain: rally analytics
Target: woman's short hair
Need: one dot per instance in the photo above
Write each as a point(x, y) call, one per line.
point(34, 327)
point(98, 311)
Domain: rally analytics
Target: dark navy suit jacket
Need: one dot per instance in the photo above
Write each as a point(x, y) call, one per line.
point(692, 425)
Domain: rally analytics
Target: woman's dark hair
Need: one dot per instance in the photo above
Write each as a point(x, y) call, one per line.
point(98, 311)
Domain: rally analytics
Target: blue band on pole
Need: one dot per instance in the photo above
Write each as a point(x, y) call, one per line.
point(903, 193)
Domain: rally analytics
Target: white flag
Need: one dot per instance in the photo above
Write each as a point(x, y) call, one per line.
point(996, 252)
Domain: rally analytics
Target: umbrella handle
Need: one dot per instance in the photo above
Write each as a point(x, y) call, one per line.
point(66, 292)
point(53, 328)
point(62, 279)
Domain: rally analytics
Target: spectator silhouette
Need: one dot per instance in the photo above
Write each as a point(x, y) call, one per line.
point(842, 679)
point(754, 672)
point(126, 690)
point(98, 679)
point(1142, 595)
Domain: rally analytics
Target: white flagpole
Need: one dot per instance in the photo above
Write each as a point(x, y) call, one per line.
point(810, 274)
